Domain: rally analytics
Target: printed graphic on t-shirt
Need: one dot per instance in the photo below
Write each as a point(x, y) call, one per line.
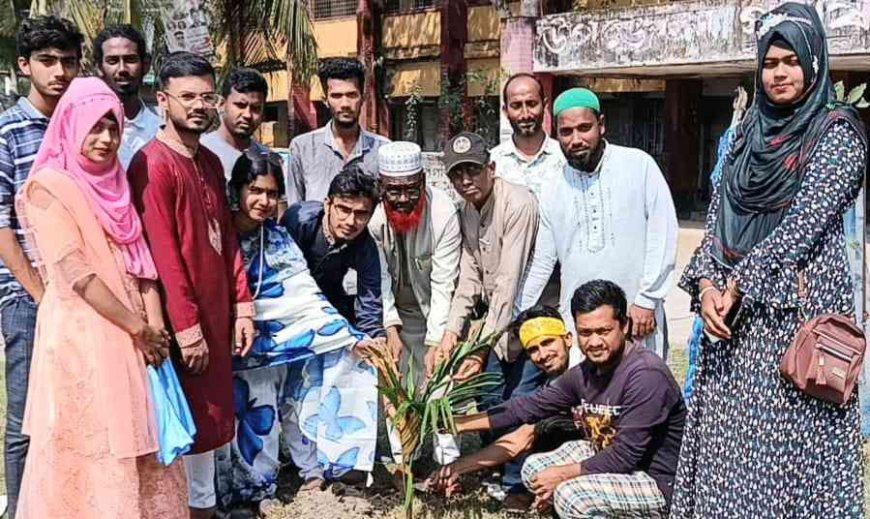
point(598, 421)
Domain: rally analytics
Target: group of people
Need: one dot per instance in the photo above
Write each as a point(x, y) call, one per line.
point(129, 239)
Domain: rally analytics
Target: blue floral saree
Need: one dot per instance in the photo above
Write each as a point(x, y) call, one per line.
point(300, 387)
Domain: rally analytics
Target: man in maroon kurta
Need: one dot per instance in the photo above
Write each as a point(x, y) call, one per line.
point(180, 193)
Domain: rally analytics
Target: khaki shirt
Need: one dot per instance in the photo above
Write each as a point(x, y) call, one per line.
point(497, 244)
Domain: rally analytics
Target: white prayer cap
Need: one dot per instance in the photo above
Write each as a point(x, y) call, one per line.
point(399, 159)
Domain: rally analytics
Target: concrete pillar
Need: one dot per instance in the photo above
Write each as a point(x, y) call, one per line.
point(454, 35)
point(374, 117)
point(517, 55)
point(548, 82)
point(682, 144)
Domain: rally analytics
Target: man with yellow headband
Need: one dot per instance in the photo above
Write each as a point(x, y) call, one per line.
point(547, 341)
point(622, 400)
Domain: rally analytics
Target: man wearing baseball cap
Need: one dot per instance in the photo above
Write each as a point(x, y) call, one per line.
point(499, 221)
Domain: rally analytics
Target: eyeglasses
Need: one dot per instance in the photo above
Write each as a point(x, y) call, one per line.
point(209, 100)
point(411, 191)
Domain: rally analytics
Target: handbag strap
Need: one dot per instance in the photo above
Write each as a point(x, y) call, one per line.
point(802, 294)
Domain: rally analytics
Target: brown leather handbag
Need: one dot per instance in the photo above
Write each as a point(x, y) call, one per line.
point(825, 358)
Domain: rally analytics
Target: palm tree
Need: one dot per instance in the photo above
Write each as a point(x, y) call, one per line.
point(10, 11)
point(247, 32)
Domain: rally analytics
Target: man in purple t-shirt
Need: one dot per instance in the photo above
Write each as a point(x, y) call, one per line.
point(624, 399)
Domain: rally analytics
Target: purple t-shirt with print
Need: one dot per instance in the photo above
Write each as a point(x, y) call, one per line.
point(633, 414)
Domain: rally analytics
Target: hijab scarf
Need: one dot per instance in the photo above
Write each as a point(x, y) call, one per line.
point(104, 186)
point(764, 169)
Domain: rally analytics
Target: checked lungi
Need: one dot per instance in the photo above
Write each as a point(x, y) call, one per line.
point(596, 495)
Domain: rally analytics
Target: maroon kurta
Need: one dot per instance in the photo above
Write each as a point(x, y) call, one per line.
point(182, 200)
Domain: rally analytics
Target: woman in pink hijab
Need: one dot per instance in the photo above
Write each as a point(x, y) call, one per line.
point(89, 413)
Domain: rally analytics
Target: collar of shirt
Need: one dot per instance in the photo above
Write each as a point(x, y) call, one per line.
point(141, 119)
point(324, 227)
point(549, 147)
point(363, 143)
point(489, 205)
point(484, 215)
point(27, 107)
point(176, 146)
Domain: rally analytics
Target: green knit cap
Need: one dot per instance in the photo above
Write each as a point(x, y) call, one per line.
point(576, 98)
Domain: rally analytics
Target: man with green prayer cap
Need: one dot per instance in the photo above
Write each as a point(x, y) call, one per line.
point(608, 215)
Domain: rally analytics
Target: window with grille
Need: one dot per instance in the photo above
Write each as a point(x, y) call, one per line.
point(324, 9)
point(420, 127)
point(401, 6)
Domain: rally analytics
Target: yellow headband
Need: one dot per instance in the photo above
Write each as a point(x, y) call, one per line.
point(541, 327)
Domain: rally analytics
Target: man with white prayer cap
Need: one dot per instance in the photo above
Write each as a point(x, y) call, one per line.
point(417, 231)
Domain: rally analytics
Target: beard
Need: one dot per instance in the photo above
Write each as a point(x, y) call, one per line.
point(243, 135)
point(189, 126)
point(405, 222)
point(343, 122)
point(587, 161)
point(524, 129)
point(126, 91)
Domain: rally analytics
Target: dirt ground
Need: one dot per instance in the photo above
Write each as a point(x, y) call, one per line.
point(383, 501)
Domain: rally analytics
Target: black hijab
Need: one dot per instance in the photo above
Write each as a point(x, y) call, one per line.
point(765, 166)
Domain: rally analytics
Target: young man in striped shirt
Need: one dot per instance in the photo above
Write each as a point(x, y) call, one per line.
point(49, 54)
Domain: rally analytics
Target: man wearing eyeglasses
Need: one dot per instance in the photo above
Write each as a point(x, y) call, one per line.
point(499, 222)
point(180, 193)
point(417, 228)
point(334, 238)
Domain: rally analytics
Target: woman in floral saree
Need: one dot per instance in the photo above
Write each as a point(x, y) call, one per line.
point(302, 378)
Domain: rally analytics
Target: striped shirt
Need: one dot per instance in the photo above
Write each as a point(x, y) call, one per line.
point(22, 128)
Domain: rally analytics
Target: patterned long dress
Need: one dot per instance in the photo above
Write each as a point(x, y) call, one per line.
point(300, 386)
point(755, 446)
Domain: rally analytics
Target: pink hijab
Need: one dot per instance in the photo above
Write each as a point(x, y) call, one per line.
point(104, 185)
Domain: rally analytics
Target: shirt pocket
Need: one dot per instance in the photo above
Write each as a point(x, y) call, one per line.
point(423, 262)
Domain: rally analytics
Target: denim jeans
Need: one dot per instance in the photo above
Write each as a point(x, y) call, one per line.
point(18, 322)
point(521, 377)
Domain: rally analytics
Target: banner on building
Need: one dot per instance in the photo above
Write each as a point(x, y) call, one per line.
point(186, 25)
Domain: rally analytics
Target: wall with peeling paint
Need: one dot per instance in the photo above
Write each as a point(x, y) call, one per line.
point(700, 37)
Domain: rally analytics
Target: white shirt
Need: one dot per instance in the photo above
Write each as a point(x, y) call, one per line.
point(512, 166)
point(227, 153)
point(616, 223)
point(137, 132)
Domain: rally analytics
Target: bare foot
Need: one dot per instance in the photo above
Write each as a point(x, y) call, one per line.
point(313, 484)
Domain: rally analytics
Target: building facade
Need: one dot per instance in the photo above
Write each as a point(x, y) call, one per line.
point(668, 72)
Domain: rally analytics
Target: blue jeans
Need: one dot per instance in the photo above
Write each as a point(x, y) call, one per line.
point(18, 321)
point(521, 377)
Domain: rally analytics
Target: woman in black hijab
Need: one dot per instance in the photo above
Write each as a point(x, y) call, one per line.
point(754, 445)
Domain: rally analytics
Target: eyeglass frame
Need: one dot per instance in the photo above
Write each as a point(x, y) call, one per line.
point(199, 97)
